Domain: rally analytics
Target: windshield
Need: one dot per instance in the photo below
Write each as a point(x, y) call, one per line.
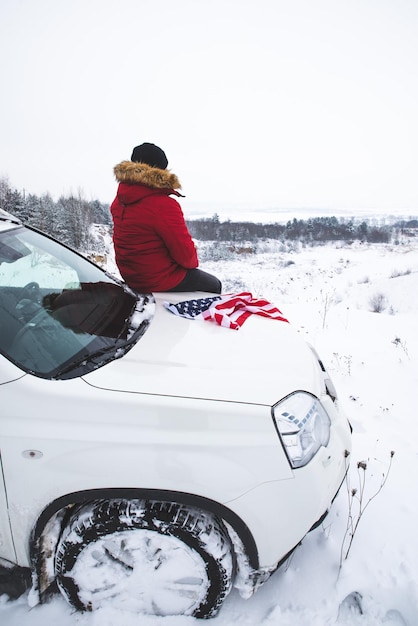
point(60, 315)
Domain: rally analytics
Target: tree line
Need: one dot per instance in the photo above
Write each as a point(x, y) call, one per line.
point(69, 219)
point(312, 230)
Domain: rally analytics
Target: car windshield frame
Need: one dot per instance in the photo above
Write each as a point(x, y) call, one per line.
point(61, 315)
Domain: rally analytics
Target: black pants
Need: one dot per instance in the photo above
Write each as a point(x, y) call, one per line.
point(198, 280)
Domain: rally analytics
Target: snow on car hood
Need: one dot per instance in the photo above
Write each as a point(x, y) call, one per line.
point(260, 363)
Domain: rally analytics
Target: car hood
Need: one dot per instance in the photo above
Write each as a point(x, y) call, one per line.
point(260, 363)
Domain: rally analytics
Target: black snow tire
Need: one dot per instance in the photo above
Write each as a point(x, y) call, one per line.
point(203, 533)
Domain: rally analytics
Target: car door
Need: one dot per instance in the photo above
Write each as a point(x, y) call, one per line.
point(8, 373)
point(7, 550)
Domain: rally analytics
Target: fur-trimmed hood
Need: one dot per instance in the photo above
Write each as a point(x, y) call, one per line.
point(142, 174)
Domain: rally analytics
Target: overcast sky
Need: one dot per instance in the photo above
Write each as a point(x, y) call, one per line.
point(257, 103)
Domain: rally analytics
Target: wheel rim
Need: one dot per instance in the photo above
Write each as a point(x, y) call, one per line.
point(143, 571)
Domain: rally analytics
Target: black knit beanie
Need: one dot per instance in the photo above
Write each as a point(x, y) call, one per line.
point(150, 154)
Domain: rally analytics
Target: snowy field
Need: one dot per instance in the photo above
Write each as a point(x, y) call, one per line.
point(358, 305)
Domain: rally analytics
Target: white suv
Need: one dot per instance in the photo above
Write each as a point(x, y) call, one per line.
point(147, 459)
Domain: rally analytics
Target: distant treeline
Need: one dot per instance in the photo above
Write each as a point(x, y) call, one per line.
point(69, 219)
point(316, 229)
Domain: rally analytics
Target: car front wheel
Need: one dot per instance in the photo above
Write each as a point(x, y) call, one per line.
point(148, 557)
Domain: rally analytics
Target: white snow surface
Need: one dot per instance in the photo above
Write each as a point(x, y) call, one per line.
point(328, 293)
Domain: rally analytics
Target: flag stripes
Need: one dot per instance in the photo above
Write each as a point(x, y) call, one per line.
point(228, 310)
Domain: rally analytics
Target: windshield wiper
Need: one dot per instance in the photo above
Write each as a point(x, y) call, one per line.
point(90, 358)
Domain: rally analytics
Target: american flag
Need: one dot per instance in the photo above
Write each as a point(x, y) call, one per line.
point(229, 310)
point(191, 308)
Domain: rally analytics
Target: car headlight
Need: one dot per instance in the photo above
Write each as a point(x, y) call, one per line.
point(303, 426)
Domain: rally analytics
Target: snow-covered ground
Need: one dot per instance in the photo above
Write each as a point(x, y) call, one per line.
point(358, 305)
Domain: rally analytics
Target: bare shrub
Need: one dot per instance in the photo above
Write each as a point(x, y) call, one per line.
point(363, 280)
point(99, 259)
point(242, 249)
point(378, 302)
point(358, 502)
point(397, 273)
point(234, 284)
point(215, 251)
point(328, 299)
point(399, 343)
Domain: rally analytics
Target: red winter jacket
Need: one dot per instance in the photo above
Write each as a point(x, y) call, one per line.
point(153, 247)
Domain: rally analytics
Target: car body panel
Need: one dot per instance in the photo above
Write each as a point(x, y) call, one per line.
point(7, 551)
point(101, 439)
point(9, 371)
point(260, 363)
point(217, 450)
